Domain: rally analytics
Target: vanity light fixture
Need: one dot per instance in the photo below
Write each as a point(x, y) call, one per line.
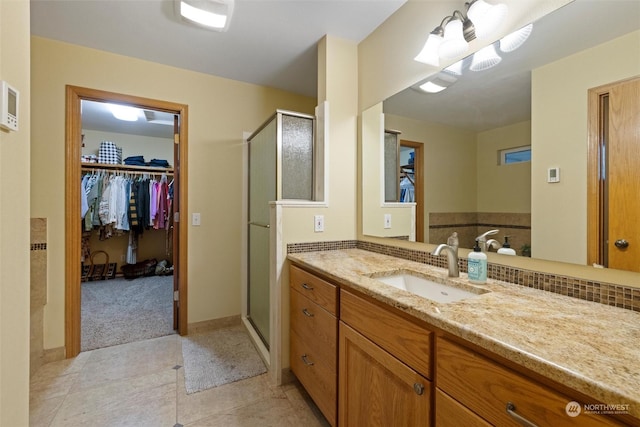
point(485, 58)
point(512, 41)
point(451, 38)
point(210, 14)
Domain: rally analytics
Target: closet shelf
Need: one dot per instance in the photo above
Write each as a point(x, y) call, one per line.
point(106, 166)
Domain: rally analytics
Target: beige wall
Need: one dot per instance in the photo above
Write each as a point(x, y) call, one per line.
point(220, 110)
point(503, 188)
point(559, 139)
point(449, 165)
point(337, 84)
point(14, 221)
point(374, 208)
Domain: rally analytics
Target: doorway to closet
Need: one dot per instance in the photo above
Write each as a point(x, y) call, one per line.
point(96, 256)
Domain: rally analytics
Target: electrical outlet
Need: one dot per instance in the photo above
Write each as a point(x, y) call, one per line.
point(387, 220)
point(195, 219)
point(318, 223)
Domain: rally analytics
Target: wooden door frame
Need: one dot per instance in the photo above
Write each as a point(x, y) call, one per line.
point(73, 234)
point(594, 215)
point(418, 185)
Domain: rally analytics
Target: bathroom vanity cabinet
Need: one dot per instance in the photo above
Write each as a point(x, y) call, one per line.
point(395, 369)
point(385, 366)
point(314, 338)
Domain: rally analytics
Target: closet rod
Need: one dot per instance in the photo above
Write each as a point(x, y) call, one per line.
point(135, 170)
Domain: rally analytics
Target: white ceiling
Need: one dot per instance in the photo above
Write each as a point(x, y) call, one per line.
point(273, 43)
point(269, 42)
point(502, 95)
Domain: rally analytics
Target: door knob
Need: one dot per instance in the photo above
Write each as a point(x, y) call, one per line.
point(621, 244)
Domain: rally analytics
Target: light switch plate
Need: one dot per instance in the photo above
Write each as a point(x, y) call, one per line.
point(387, 220)
point(195, 219)
point(318, 223)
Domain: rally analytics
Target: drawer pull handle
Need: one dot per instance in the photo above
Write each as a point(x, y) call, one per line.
point(307, 313)
point(418, 388)
point(307, 287)
point(511, 410)
point(306, 361)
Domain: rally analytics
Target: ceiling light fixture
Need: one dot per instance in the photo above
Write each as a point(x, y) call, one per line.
point(451, 38)
point(436, 83)
point(210, 14)
point(124, 112)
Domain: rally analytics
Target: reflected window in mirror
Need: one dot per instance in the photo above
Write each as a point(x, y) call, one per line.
point(514, 155)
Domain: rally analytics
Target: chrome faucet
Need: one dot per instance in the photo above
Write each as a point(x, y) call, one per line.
point(482, 239)
point(451, 247)
point(492, 243)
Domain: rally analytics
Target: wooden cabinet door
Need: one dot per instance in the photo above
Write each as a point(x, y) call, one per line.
point(376, 389)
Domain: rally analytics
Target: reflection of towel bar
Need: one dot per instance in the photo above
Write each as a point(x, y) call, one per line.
point(260, 225)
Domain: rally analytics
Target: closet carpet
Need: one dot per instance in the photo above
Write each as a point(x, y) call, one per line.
point(120, 311)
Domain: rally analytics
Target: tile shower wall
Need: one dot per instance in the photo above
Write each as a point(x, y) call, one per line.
point(469, 225)
point(604, 293)
point(38, 271)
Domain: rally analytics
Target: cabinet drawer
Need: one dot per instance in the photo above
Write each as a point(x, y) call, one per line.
point(317, 290)
point(450, 413)
point(315, 326)
point(486, 387)
point(405, 340)
point(318, 377)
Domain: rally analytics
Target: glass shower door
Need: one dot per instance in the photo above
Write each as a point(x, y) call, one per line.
point(262, 190)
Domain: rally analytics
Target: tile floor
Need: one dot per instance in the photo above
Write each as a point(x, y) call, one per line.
point(142, 384)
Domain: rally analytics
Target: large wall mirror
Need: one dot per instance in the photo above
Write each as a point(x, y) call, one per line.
point(491, 138)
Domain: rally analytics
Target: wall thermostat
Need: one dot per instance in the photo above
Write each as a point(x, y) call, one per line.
point(553, 175)
point(9, 99)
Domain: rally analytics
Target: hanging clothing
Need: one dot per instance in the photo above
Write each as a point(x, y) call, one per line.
point(407, 190)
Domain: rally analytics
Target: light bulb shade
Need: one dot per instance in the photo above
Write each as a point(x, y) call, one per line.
point(210, 14)
point(456, 68)
point(512, 41)
point(484, 59)
point(453, 43)
point(429, 53)
point(486, 18)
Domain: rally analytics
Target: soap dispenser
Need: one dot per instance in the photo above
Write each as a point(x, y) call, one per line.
point(506, 248)
point(477, 265)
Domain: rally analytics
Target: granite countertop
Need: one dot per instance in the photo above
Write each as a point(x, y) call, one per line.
point(590, 347)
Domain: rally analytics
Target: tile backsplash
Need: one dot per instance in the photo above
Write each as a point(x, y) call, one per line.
point(604, 293)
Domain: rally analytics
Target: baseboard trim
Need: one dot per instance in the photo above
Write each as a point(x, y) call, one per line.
point(208, 325)
point(53, 354)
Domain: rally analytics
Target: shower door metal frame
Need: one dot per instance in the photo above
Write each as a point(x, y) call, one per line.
point(278, 177)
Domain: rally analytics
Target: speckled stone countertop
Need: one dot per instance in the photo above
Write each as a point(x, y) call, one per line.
point(590, 347)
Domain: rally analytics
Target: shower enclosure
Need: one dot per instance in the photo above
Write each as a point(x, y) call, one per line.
point(281, 167)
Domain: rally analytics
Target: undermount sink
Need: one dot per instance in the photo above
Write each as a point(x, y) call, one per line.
point(426, 288)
